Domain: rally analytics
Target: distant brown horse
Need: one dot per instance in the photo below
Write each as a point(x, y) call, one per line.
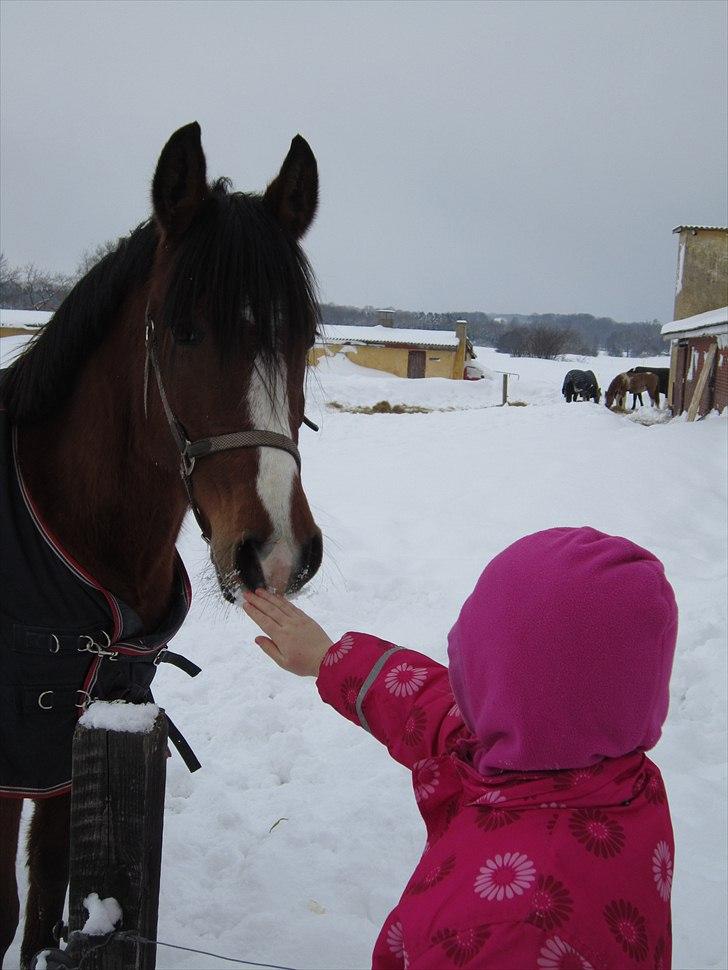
point(171, 377)
point(663, 376)
point(634, 384)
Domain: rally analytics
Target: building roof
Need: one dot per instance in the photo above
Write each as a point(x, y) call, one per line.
point(389, 336)
point(715, 228)
point(701, 325)
point(32, 319)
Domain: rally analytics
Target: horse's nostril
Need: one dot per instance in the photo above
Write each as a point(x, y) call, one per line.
point(311, 555)
point(247, 563)
point(315, 554)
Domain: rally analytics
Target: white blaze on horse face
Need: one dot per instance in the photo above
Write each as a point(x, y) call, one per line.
point(268, 410)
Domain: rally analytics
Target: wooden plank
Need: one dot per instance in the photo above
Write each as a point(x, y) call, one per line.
point(674, 352)
point(680, 386)
point(702, 381)
point(117, 809)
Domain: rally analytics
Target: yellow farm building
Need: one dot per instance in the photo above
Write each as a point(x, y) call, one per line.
point(404, 353)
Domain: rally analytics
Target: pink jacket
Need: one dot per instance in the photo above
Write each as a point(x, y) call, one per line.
point(559, 870)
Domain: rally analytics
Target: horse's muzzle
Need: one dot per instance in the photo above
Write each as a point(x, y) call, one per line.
point(275, 565)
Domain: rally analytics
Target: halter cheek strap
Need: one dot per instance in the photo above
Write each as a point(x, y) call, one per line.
point(190, 451)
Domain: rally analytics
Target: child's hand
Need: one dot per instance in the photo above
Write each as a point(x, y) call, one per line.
point(295, 641)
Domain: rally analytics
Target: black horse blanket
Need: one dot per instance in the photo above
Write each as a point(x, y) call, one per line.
point(64, 640)
point(580, 383)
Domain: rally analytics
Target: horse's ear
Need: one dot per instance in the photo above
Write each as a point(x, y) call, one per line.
point(180, 187)
point(292, 196)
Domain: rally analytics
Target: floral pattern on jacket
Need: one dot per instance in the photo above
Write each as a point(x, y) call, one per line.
point(561, 870)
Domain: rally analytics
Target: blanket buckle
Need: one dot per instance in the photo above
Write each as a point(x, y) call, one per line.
point(91, 646)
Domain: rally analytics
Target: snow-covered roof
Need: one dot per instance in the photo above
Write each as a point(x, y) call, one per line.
point(388, 335)
point(712, 228)
point(23, 318)
point(702, 324)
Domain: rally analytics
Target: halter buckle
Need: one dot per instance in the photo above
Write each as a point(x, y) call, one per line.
point(187, 464)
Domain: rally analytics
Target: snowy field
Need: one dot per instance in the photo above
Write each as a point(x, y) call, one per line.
point(295, 839)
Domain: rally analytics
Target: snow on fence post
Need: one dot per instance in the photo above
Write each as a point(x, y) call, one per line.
point(117, 804)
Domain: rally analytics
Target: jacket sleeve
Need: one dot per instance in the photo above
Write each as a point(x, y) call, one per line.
point(400, 696)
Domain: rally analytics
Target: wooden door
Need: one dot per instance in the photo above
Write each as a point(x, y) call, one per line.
point(416, 363)
point(681, 368)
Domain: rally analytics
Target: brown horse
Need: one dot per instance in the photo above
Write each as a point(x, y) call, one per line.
point(182, 351)
point(634, 384)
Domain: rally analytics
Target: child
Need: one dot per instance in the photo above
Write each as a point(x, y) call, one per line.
point(549, 840)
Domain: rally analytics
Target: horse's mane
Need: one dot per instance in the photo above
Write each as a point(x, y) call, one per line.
point(42, 376)
point(235, 269)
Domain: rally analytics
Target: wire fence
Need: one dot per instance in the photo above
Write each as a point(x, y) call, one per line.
point(130, 937)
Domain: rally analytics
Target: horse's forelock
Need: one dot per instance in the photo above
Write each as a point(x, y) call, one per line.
point(249, 279)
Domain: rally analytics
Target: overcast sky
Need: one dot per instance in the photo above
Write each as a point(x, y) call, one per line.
point(516, 156)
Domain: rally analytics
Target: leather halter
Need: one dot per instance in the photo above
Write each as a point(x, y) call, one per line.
point(190, 451)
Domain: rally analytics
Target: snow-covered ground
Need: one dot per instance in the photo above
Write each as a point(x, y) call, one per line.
point(295, 839)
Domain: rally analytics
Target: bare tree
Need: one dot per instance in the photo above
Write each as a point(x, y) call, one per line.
point(515, 341)
point(31, 288)
point(93, 256)
point(548, 342)
point(8, 273)
point(9, 282)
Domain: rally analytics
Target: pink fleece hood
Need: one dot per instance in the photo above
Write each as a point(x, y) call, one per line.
point(561, 655)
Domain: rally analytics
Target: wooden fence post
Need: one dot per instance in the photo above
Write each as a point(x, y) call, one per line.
point(117, 807)
point(701, 382)
point(505, 389)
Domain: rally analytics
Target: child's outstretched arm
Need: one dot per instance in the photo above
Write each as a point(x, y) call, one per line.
point(400, 696)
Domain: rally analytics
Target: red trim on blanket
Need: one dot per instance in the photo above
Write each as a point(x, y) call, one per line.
point(82, 574)
point(55, 544)
point(36, 795)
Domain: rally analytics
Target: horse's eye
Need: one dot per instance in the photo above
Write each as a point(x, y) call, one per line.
point(189, 338)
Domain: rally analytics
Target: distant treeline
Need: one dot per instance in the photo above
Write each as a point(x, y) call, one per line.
point(521, 335)
point(30, 287)
point(537, 335)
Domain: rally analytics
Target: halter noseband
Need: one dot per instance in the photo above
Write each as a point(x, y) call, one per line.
point(190, 451)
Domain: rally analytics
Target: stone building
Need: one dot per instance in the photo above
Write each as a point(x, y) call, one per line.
point(702, 270)
point(698, 363)
point(698, 334)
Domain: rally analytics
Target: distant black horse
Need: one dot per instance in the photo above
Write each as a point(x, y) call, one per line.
point(661, 373)
point(581, 384)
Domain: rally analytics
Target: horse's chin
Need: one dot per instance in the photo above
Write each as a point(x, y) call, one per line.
point(233, 583)
point(229, 580)
point(229, 595)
